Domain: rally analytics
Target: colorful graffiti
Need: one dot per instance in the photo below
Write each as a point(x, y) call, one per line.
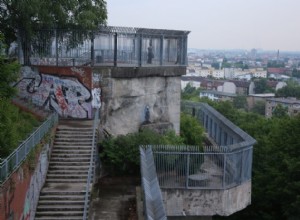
point(64, 94)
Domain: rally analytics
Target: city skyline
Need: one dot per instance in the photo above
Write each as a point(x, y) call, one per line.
point(216, 24)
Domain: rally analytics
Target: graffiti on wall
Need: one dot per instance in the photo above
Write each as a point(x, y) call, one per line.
point(36, 184)
point(96, 103)
point(64, 94)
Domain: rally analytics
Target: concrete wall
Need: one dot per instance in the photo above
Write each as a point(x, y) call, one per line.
point(126, 92)
point(206, 202)
point(20, 193)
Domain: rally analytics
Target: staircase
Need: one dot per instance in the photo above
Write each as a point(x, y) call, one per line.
point(62, 196)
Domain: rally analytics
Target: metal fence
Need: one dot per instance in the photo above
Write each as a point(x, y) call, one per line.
point(153, 201)
point(93, 162)
point(14, 160)
point(109, 46)
point(191, 167)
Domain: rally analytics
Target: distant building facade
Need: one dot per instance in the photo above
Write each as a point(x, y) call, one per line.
point(292, 105)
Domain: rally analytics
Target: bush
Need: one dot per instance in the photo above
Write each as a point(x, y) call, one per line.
point(14, 127)
point(121, 154)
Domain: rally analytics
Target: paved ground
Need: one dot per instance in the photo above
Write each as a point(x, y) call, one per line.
point(114, 199)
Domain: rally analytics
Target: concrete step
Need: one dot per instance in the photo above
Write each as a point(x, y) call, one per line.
point(70, 155)
point(45, 192)
point(83, 181)
point(73, 133)
point(74, 140)
point(76, 168)
point(62, 198)
point(73, 151)
point(55, 208)
point(75, 129)
point(67, 176)
point(61, 202)
point(72, 143)
point(69, 163)
point(70, 159)
point(67, 172)
point(59, 214)
point(72, 147)
point(60, 217)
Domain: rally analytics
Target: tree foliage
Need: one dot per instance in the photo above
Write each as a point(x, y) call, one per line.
point(240, 102)
point(14, 124)
point(261, 86)
point(190, 130)
point(292, 89)
point(23, 18)
point(8, 72)
point(121, 154)
point(190, 93)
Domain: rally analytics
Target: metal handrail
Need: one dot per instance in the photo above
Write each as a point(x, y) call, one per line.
point(15, 159)
point(153, 200)
point(91, 170)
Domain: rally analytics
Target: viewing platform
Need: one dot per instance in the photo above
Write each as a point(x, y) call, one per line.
point(199, 181)
point(107, 46)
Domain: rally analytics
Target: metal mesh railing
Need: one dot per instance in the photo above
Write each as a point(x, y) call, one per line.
point(153, 201)
point(14, 160)
point(189, 167)
point(107, 46)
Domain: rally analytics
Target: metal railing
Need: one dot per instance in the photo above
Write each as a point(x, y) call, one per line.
point(108, 46)
point(153, 201)
point(188, 167)
point(220, 130)
point(15, 159)
point(91, 172)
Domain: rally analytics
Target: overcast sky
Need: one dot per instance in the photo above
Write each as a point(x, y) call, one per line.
point(217, 24)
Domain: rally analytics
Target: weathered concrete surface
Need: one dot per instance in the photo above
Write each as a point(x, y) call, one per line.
point(125, 101)
point(114, 199)
point(206, 202)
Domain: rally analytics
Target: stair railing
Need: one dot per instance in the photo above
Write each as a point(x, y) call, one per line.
point(91, 173)
point(15, 159)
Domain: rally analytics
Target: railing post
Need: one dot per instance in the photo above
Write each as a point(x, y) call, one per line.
point(161, 50)
point(224, 170)
point(187, 171)
point(56, 47)
point(115, 49)
point(140, 41)
point(92, 49)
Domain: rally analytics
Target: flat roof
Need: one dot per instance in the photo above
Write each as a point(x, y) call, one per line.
point(146, 31)
point(285, 100)
point(219, 93)
point(263, 95)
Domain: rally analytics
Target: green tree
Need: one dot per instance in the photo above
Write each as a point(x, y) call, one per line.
point(19, 17)
point(259, 107)
point(8, 73)
point(261, 86)
point(190, 130)
point(292, 89)
point(190, 93)
point(240, 102)
point(280, 111)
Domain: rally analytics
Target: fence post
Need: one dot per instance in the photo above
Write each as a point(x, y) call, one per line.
point(92, 49)
point(161, 50)
point(224, 170)
point(187, 171)
point(115, 49)
point(56, 47)
point(140, 49)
